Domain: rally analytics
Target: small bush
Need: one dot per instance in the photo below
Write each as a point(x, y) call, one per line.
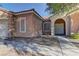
point(75, 36)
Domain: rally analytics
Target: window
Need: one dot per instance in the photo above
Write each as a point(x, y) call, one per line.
point(22, 24)
point(46, 26)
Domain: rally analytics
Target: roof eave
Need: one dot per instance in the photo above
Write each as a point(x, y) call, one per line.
point(26, 12)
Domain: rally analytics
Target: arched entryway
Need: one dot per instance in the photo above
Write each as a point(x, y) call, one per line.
point(59, 27)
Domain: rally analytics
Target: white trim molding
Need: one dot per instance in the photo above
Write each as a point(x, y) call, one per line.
point(20, 24)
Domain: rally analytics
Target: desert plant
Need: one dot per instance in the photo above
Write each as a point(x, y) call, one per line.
point(75, 36)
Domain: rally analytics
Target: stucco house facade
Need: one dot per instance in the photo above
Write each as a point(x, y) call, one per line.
point(65, 24)
point(26, 23)
point(29, 23)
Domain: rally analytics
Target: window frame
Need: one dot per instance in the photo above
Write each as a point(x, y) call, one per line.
point(20, 24)
point(44, 26)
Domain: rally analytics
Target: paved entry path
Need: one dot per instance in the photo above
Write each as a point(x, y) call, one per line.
point(67, 48)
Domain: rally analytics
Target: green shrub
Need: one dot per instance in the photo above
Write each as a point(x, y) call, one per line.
point(75, 36)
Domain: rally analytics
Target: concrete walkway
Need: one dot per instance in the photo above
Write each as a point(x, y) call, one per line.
point(67, 48)
point(32, 48)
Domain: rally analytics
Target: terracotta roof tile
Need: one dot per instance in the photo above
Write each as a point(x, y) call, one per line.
point(46, 18)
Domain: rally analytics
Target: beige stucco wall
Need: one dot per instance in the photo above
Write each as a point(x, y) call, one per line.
point(75, 22)
point(33, 24)
point(37, 23)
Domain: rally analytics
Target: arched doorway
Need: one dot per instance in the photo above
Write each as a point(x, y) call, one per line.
point(59, 27)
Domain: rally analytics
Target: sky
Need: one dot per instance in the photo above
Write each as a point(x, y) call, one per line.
point(39, 7)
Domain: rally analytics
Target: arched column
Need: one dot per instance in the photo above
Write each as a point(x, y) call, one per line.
point(68, 25)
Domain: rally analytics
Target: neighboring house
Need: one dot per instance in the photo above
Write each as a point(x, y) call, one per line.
point(29, 23)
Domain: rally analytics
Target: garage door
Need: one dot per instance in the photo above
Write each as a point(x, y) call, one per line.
point(59, 29)
point(3, 29)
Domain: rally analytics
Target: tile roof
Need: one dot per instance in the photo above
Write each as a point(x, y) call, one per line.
point(46, 17)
